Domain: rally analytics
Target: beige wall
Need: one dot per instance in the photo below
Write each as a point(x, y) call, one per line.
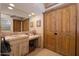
point(38, 29)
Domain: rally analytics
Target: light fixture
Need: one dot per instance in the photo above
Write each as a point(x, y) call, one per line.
point(33, 14)
point(29, 15)
point(12, 5)
point(10, 8)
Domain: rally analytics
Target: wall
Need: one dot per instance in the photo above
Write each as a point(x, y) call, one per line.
point(38, 29)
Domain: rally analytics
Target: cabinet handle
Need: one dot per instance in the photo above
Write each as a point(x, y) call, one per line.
point(55, 33)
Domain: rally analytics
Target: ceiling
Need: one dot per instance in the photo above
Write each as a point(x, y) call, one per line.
point(47, 5)
point(24, 9)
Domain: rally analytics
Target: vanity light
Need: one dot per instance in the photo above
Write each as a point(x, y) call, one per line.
point(10, 8)
point(12, 5)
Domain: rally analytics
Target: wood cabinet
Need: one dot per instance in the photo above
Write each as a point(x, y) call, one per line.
point(69, 30)
point(20, 25)
point(15, 50)
point(25, 25)
point(49, 31)
point(77, 31)
point(19, 47)
point(60, 30)
point(23, 48)
point(16, 25)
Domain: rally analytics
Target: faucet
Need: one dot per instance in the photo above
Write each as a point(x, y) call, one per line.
point(2, 38)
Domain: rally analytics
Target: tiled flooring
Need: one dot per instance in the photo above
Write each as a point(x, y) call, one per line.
point(43, 52)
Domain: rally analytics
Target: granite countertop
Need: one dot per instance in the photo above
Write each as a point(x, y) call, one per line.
point(31, 37)
point(13, 37)
point(21, 36)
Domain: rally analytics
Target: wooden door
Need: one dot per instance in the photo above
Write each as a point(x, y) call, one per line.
point(16, 25)
point(59, 30)
point(68, 30)
point(65, 31)
point(77, 50)
point(49, 31)
point(73, 29)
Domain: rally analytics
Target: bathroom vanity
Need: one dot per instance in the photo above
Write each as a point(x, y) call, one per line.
point(20, 44)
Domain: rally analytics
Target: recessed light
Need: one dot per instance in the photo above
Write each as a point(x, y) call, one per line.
point(10, 8)
point(12, 5)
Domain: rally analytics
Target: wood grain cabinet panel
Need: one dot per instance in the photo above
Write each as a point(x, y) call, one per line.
point(14, 48)
point(77, 52)
point(16, 25)
point(60, 30)
point(23, 48)
point(25, 25)
point(65, 31)
point(19, 47)
point(49, 31)
point(72, 36)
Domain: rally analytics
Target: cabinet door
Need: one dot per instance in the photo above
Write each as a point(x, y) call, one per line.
point(16, 25)
point(58, 30)
point(23, 48)
point(68, 30)
point(65, 31)
point(49, 31)
point(77, 51)
point(72, 29)
point(15, 50)
point(25, 25)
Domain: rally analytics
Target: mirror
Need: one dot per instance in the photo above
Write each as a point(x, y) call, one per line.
point(6, 23)
point(12, 20)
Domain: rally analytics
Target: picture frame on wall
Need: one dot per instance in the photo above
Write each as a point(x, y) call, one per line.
point(31, 24)
point(38, 23)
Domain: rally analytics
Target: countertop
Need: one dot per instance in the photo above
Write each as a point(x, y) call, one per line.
point(31, 37)
point(23, 36)
point(14, 37)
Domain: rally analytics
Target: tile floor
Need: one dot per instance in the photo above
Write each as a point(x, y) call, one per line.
point(43, 52)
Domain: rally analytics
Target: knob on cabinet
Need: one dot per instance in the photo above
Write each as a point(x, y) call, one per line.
point(55, 33)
